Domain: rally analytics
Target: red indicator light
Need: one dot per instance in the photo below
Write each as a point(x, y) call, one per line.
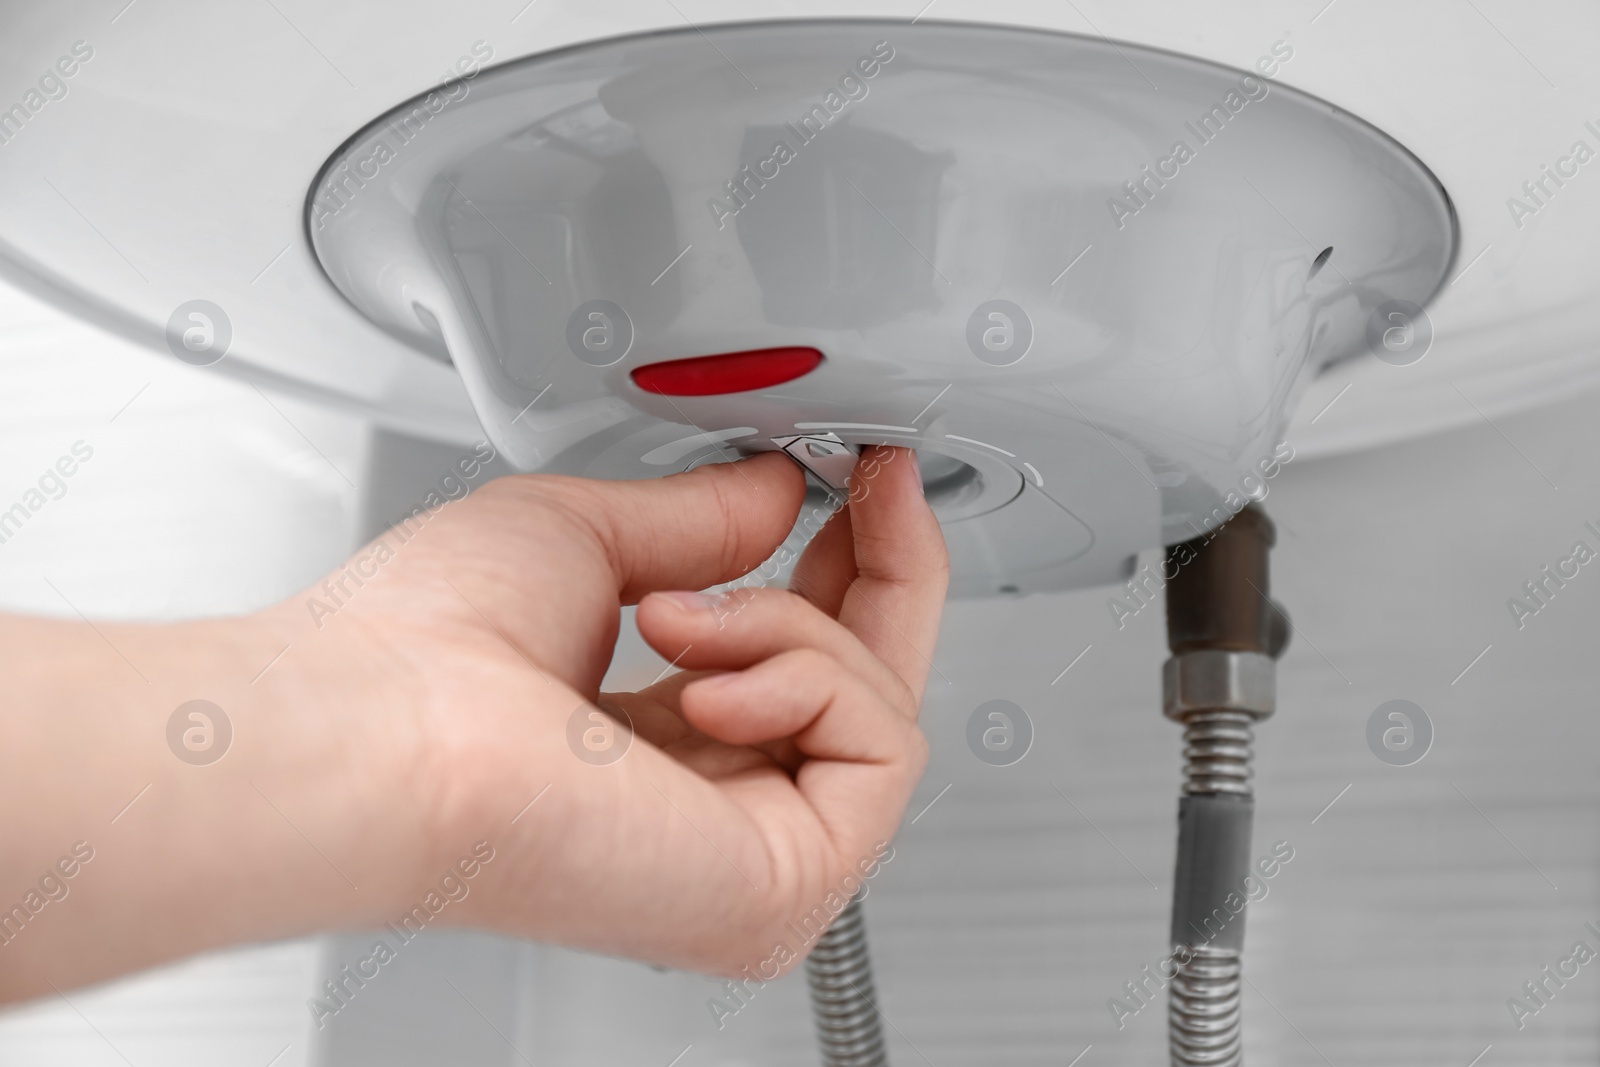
point(731, 372)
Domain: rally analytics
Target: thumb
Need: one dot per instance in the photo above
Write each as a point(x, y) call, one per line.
point(685, 531)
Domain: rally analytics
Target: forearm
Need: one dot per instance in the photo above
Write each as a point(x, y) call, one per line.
point(175, 853)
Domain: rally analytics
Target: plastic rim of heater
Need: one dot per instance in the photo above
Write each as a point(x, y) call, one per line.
point(1089, 302)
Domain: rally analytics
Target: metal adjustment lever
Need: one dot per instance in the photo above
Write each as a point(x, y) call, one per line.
point(827, 457)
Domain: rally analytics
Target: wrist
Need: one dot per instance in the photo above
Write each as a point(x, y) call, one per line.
point(280, 801)
point(287, 783)
point(194, 825)
point(330, 741)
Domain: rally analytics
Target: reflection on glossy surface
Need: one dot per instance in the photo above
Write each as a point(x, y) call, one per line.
point(1010, 246)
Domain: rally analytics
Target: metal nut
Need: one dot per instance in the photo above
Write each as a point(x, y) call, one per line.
point(1215, 680)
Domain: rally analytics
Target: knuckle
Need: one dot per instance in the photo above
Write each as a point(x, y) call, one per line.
point(809, 663)
point(570, 501)
point(918, 749)
point(725, 512)
point(903, 697)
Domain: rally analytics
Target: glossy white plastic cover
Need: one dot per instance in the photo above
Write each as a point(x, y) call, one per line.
point(1095, 298)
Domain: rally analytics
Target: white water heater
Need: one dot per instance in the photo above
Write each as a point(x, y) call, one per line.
point(1086, 281)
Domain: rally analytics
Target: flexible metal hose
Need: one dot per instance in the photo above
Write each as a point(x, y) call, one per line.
point(842, 996)
point(1203, 1010)
point(1217, 753)
point(1204, 1020)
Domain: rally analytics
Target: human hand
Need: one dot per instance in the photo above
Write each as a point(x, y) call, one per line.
point(760, 778)
point(417, 754)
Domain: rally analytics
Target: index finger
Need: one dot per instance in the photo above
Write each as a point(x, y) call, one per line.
point(902, 569)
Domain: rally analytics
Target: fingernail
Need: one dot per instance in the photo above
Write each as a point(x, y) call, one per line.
point(916, 467)
point(686, 600)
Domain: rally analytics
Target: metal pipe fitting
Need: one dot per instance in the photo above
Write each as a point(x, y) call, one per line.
point(1225, 634)
point(1218, 695)
point(1216, 680)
